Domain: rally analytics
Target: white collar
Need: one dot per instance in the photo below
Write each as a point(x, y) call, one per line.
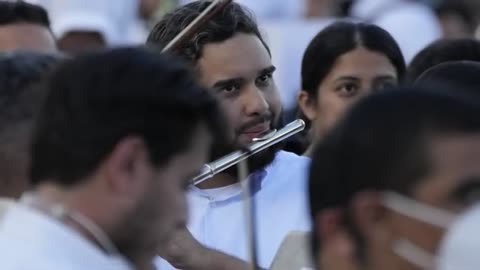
point(256, 180)
point(45, 235)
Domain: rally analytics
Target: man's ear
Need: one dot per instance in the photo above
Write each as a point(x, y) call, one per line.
point(337, 248)
point(307, 105)
point(367, 211)
point(327, 223)
point(125, 168)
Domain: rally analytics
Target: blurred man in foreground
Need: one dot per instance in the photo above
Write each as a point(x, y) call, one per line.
point(390, 180)
point(112, 154)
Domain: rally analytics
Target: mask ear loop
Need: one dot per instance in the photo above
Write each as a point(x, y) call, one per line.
point(413, 254)
point(418, 211)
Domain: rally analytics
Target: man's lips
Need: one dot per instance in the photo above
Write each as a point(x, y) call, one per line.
point(257, 131)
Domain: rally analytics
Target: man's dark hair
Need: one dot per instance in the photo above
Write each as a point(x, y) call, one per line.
point(99, 99)
point(232, 20)
point(20, 98)
point(442, 51)
point(382, 144)
point(22, 12)
point(462, 77)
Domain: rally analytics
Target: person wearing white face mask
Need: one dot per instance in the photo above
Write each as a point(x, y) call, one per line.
point(389, 185)
point(459, 245)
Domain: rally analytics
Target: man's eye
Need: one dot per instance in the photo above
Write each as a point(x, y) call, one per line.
point(229, 88)
point(264, 80)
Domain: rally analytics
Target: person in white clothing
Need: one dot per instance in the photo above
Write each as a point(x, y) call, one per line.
point(82, 25)
point(111, 157)
point(392, 185)
point(412, 24)
point(233, 62)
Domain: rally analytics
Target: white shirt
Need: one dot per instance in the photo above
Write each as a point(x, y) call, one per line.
point(217, 216)
point(459, 247)
point(30, 240)
point(5, 204)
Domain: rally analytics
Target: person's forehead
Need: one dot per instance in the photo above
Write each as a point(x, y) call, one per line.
point(26, 36)
point(243, 55)
point(363, 62)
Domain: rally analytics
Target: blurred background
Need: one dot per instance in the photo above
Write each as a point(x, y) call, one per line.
point(288, 25)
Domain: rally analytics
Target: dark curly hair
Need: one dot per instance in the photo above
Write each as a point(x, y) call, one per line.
point(234, 19)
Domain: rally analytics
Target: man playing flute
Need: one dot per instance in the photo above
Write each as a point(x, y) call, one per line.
point(232, 60)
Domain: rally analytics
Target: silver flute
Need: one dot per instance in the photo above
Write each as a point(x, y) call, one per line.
point(259, 144)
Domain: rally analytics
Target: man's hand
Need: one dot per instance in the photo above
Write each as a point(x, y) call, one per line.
point(184, 252)
point(338, 253)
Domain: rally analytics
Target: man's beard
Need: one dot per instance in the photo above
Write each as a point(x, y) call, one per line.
point(255, 162)
point(134, 238)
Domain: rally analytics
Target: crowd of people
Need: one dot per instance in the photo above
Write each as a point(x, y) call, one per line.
point(102, 132)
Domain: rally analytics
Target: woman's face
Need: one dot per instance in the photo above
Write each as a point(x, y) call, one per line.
point(353, 76)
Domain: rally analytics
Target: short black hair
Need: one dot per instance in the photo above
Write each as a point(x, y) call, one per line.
point(232, 20)
point(462, 77)
point(100, 98)
point(382, 144)
point(340, 38)
point(23, 12)
point(441, 51)
point(20, 98)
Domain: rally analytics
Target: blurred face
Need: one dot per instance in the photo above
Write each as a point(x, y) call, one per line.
point(239, 72)
point(148, 7)
point(454, 26)
point(26, 36)
point(77, 42)
point(452, 185)
point(160, 206)
point(398, 239)
point(354, 75)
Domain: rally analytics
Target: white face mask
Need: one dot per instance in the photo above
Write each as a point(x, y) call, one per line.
point(457, 250)
point(460, 247)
